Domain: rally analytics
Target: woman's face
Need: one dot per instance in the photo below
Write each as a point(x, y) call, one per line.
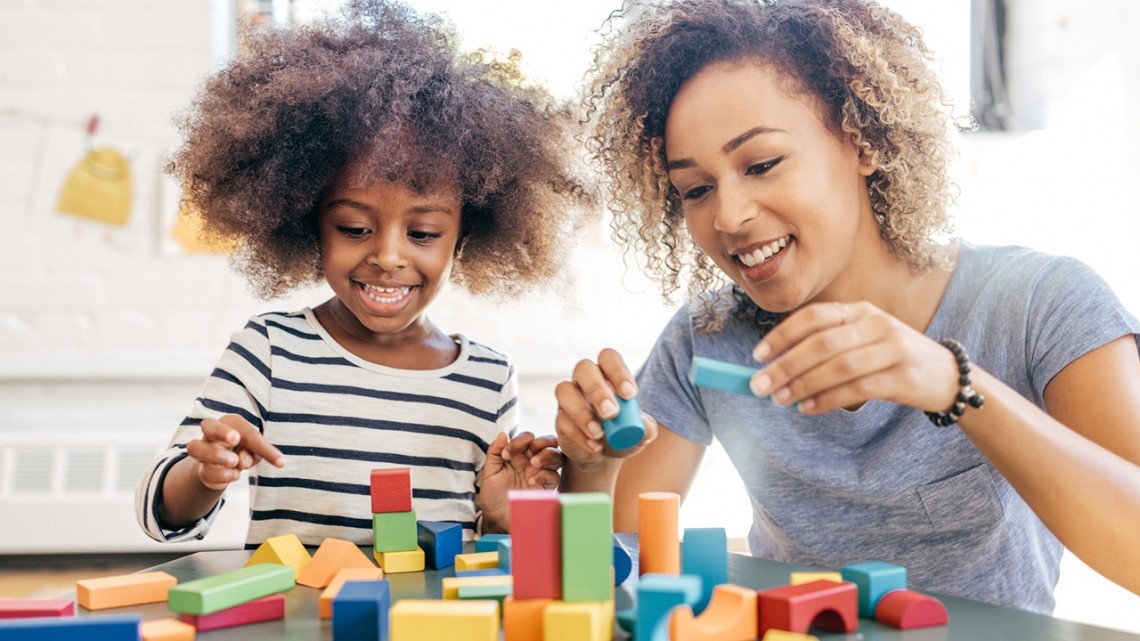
point(773, 195)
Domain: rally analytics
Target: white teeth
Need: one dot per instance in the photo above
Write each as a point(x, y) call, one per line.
point(386, 294)
point(758, 256)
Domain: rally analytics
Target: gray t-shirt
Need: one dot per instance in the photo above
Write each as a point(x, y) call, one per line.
point(882, 482)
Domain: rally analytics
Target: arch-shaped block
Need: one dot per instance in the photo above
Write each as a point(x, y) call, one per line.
point(906, 610)
point(826, 604)
point(730, 614)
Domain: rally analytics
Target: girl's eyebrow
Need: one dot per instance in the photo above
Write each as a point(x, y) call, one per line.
point(424, 208)
point(728, 148)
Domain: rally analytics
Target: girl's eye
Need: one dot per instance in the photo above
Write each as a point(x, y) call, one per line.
point(695, 193)
point(352, 232)
point(423, 236)
point(763, 167)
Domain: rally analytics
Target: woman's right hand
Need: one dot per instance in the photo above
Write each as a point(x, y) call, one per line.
point(229, 444)
point(588, 398)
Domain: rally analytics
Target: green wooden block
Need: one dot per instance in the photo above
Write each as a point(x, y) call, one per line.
point(587, 546)
point(394, 531)
point(221, 591)
point(496, 592)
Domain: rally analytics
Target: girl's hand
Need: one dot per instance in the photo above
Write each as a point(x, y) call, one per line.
point(587, 399)
point(525, 462)
point(831, 355)
point(229, 444)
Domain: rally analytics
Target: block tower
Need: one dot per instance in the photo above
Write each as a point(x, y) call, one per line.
point(394, 532)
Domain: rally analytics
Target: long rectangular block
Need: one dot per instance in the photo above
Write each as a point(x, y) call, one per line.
point(494, 592)
point(119, 627)
point(719, 375)
point(208, 595)
point(331, 557)
point(121, 591)
point(587, 547)
point(28, 608)
point(391, 490)
point(270, 608)
point(536, 543)
point(421, 620)
point(477, 561)
point(360, 611)
point(350, 574)
point(450, 585)
point(394, 531)
point(440, 541)
point(166, 630)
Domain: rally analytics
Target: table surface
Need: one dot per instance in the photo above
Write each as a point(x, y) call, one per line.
point(969, 620)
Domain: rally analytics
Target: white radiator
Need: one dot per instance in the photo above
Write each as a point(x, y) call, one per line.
point(72, 494)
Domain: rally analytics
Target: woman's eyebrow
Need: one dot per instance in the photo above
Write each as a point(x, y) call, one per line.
point(728, 148)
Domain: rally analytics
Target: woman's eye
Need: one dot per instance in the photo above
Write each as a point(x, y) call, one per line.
point(763, 167)
point(352, 232)
point(695, 193)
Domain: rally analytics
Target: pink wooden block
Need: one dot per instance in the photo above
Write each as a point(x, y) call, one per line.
point(28, 608)
point(267, 608)
point(907, 610)
point(536, 544)
point(391, 490)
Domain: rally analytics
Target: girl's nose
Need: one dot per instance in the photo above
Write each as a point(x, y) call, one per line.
point(388, 252)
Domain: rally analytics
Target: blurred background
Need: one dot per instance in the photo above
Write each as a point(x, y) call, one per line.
point(111, 315)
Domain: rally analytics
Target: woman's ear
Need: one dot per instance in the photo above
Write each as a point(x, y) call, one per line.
point(868, 161)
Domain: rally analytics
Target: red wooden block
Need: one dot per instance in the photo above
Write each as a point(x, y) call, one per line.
point(907, 610)
point(536, 544)
point(391, 490)
point(28, 608)
point(795, 608)
point(267, 608)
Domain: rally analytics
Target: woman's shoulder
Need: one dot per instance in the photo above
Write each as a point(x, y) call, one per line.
point(1014, 265)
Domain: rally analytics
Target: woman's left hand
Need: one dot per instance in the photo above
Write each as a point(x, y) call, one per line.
point(830, 355)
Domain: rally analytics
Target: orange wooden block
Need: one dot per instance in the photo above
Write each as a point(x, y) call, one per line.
point(731, 615)
point(120, 591)
point(907, 610)
point(166, 630)
point(522, 618)
point(331, 557)
point(349, 574)
point(657, 533)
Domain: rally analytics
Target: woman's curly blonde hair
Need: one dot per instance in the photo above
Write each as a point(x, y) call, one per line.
point(867, 67)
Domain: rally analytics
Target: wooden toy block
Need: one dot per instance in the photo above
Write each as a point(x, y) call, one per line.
point(360, 611)
point(719, 375)
point(907, 610)
point(731, 614)
point(522, 618)
point(350, 574)
point(121, 591)
point(286, 549)
point(400, 562)
point(477, 561)
point(270, 608)
point(449, 586)
point(117, 627)
point(795, 608)
point(440, 541)
point(626, 619)
point(796, 578)
point(504, 550)
point(391, 490)
point(658, 540)
point(627, 429)
point(29, 608)
point(704, 552)
point(784, 635)
point(587, 547)
point(394, 531)
point(580, 621)
point(874, 579)
point(490, 542)
point(166, 630)
point(221, 591)
point(331, 557)
point(487, 572)
point(657, 594)
point(429, 620)
point(492, 592)
point(623, 563)
point(536, 543)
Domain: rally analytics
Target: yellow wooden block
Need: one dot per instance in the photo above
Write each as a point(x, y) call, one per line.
point(166, 630)
point(476, 561)
point(348, 574)
point(403, 561)
point(807, 577)
point(285, 550)
point(579, 621)
point(121, 591)
point(784, 635)
point(452, 584)
point(432, 620)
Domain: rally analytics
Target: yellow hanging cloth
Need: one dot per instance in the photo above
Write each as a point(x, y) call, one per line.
point(187, 231)
point(99, 188)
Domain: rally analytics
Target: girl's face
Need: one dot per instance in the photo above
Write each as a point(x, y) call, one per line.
point(386, 252)
point(770, 192)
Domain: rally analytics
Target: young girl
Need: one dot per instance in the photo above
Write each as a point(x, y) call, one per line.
point(799, 149)
point(369, 153)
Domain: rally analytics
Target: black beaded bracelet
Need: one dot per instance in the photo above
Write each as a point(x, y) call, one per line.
point(966, 394)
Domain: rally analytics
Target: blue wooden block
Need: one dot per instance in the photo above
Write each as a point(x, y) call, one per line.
point(489, 542)
point(657, 594)
point(505, 555)
point(719, 375)
point(623, 564)
point(440, 541)
point(483, 572)
point(627, 428)
point(874, 579)
point(704, 552)
point(360, 611)
point(119, 627)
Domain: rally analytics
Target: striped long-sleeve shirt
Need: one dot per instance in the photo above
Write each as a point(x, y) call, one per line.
point(336, 417)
